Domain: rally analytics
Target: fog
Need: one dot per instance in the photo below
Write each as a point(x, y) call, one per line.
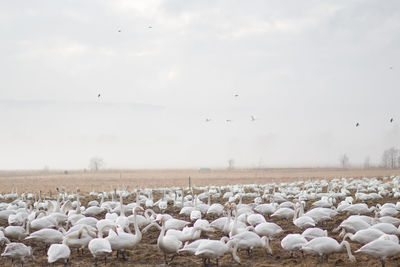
point(307, 72)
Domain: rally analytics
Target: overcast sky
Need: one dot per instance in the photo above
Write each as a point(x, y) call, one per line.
point(308, 71)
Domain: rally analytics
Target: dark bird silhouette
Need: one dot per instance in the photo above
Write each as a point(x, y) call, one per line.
point(150, 27)
point(252, 118)
point(357, 124)
point(98, 95)
point(208, 119)
point(228, 120)
point(236, 95)
point(119, 30)
point(391, 120)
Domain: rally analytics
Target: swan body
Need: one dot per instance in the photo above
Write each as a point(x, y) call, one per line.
point(325, 246)
point(283, 213)
point(16, 232)
point(387, 228)
point(364, 236)
point(255, 219)
point(58, 252)
point(380, 248)
point(391, 220)
point(175, 224)
point(312, 233)
point(17, 251)
point(268, 229)
point(215, 249)
point(100, 247)
point(215, 209)
point(293, 242)
point(123, 240)
point(266, 209)
point(47, 236)
point(79, 238)
point(168, 243)
point(359, 208)
point(249, 240)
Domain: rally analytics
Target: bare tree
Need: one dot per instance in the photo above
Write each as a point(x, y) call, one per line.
point(344, 161)
point(391, 158)
point(367, 164)
point(231, 164)
point(96, 163)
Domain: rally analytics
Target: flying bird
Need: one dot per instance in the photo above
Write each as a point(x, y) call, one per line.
point(119, 30)
point(98, 95)
point(236, 95)
point(228, 120)
point(357, 124)
point(150, 27)
point(391, 120)
point(252, 118)
point(208, 119)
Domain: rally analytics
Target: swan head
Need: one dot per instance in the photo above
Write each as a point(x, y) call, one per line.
point(137, 209)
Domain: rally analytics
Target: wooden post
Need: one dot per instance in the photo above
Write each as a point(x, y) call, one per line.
point(190, 184)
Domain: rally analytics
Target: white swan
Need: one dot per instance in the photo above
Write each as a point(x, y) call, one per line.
point(312, 233)
point(293, 242)
point(266, 209)
point(387, 228)
point(79, 238)
point(168, 244)
point(100, 247)
point(359, 208)
point(380, 248)
point(124, 241)
point(59, 252)
point(192, 247)
point(214, 249)
point(47, 236)
point(325, 246)
point(195, 214)
point(17, 232)
point(248, 241)
point(283, 213)
point(122, 220)
point(17, 251)
point(268, 229)
point(302, 221)
point(215, 209)
point(364, 236)
point(255, 219)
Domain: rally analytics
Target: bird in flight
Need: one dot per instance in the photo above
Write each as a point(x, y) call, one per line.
point(228, 120)
point(252, 118)
point(150, 27)
point(98, 95)
point(236, 95)
point(357, 124)
point(119, 30)
point(391, 120)
point(208, 119)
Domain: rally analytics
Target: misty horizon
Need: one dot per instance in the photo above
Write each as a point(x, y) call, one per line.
point(194, 84)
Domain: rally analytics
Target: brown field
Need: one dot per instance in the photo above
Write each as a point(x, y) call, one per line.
point(33, 181)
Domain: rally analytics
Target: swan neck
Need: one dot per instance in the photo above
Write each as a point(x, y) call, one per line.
point(347, 245)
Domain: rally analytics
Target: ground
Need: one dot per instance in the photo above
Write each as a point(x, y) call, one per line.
point(147, 253)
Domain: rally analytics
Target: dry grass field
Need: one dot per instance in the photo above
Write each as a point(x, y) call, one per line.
point(48, 181)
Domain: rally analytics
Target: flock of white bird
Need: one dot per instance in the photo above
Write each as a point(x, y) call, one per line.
point(106, 224)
